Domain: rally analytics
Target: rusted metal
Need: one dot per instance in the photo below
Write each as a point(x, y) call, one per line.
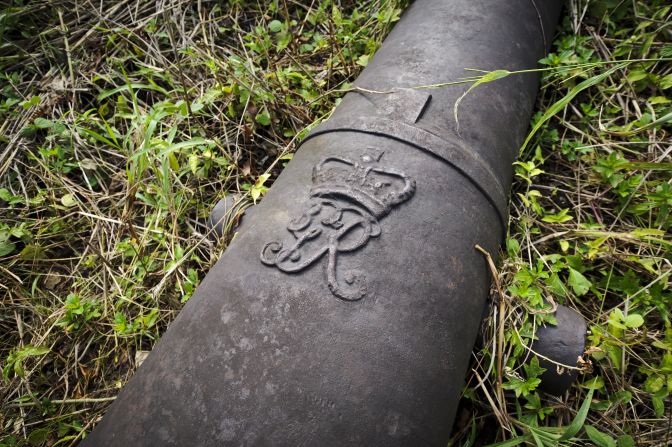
point(345, 310)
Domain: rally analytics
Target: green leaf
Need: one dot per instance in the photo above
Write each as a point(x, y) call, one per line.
point(43, 123)
point(579, 283)
point(556, 285)
point(5, 194)
point(654, 384)
point(120, 323)
point(131, 87)
point(600, 439)
point(6, 370)
point(15, 360)
point(363, 60)
point(263, 117)
point(537, 439)
point(512, 442)
point(658, 100)
point(35, 100)
point(193, 163)
point(665, 82)
point(7, 248)
point(68, 200)
point(562, 103)
point(488, 77)
point(149, 320)
point(634, 320)
point(275, 26)
point(283, 41)
point(31, 351)
point(512, 247)
point(637, 75)
point(580, 417)
point(258, 188)
point(658, 406)
point(182, 145)
point(625, 441)
point(533, 369)
point(662, 120)
point(596, 383)
point(38, 437)
point(560, 217)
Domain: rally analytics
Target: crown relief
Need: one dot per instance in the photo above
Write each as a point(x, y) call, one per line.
point(347, 200)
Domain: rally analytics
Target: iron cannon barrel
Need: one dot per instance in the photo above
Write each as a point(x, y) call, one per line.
point(345, 310)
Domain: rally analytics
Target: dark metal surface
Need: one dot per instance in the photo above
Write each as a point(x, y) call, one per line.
point(227, 214)
point(560, 345)
point(345, 310)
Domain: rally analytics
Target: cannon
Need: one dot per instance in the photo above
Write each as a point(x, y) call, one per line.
point(345, 310)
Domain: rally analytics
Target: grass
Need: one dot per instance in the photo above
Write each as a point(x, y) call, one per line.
point(121, 125)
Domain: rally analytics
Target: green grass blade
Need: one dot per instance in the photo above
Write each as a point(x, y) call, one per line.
point(559, 105)
point(580, 417)
point(130, 87)
point(512, 442)
point(488, 77)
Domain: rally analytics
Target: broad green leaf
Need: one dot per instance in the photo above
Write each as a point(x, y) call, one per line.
point(68, 200)
point(665, 82)
point(275, 26)
point(658, 406)
point(193, 163)
point(659, 100)
point(38, 436)
point(6, 248)
point(31, 351)
point(263, 117)
point(579, 283)
point(625, 441)
point(637, 75)
point(43, 123)
point(556, 285)
point(596, 383)
point(363, 60)
point(559, 217)
point(600, 439)
point(654, 384)
point(634, 320)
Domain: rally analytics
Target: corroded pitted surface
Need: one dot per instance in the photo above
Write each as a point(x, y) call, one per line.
point(344, 312)
point(348, 198)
